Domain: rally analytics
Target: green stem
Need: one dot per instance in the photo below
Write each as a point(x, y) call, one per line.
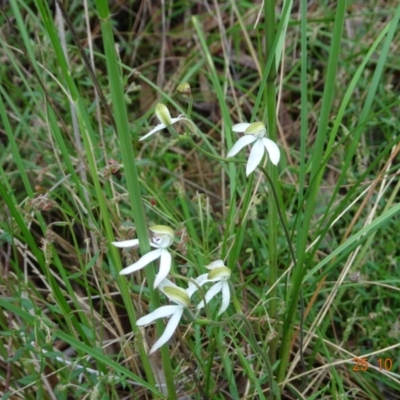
point(270, 97)
point(190, 107)
point(134, 190)
point(239, 237)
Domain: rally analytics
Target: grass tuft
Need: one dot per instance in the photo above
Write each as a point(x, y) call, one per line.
point(311, 244)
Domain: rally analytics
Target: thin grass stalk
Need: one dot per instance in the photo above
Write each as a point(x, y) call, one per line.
point(26, 47)
point(14, 149)
point(77, 133)
point(227, 361)
point(26, 236)
point(354, 263)
point(315, 178)
point(365, 115)
point(361, 126)
point(234, 252)
point(82, 348)
point(268, 65)
point(88, 138)
point(304, 106)
point(352, 242)
point(89, 141)
point(227, 121)
point(270, 102)
point(54, 127)
point(11, 206)
point(132, 178)
point(57, 294)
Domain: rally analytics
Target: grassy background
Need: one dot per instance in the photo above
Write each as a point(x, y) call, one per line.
point(74, 177)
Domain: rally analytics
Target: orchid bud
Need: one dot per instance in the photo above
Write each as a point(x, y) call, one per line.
point(185, 90)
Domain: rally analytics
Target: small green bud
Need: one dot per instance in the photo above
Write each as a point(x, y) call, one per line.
point(185, 90)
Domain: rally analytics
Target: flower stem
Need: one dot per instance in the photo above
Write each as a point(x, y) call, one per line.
point(270, 101)
point(239, 237)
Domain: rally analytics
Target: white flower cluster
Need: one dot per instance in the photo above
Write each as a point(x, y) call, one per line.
point(163, 236)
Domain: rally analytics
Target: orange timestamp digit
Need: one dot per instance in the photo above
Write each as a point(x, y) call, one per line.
point(362, 364)
point(387, 364)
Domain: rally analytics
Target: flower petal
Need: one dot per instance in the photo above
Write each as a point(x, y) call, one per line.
point(165, 241)
point(146, 259)
point(165, 282)
point(165, 267)
point(201, 279)
point(272, 149)
point(242, 142)
point(169, 329)
point(126, 243)
point(180, 118)
point(157, 128)
point(226, 296)
point(255, 157)
point(194, 284)
point(215, 264)
point(241, 127)
point(161, 312)
point(211, 293)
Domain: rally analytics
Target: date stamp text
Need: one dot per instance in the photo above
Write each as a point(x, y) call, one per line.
point(361, 364)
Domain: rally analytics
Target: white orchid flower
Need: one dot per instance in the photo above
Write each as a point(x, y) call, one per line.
point(163, 237)
point(255, 133)
point(164, 117)
point(220, 274)
point(182, 299)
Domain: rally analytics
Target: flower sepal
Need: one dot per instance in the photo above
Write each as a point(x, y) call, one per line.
point(220, 273)
point(177, 294)
point(256, 128)
point(163, 114)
